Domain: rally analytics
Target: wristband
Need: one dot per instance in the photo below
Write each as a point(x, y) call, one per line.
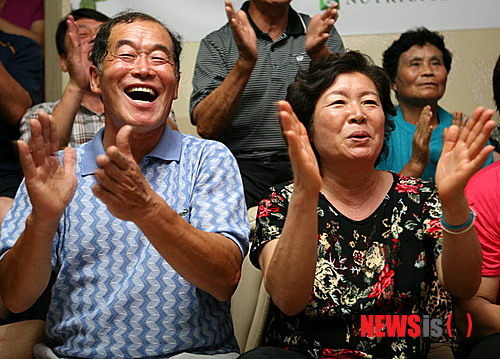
point(462, 228)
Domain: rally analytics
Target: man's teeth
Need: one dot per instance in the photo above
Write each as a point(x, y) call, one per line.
point(141, 89)
point(141, 94)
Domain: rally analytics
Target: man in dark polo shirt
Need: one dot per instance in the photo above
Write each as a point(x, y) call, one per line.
point(243, 69)
point(21, 66)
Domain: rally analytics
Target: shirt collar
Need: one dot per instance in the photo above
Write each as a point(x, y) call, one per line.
point(296, 25)
point(89, 111)
point(167, 149)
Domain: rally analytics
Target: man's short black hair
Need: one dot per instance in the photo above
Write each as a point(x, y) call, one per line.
point(101, 44)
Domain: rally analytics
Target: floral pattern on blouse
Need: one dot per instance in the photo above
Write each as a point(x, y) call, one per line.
point(495, 137)
point(384, 264)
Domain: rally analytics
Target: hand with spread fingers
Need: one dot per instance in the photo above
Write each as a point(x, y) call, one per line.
point(318, 32)
point(75, 59)
point(121, 185)
point(243, 33)
point(464, 152)
point(304, 163)
point(50, 184)
point(420, 145)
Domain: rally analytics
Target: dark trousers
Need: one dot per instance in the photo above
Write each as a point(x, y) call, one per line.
point(36, 311)
point(9, 183)
point(259, 175)
point(271, 353)
point(488, 347)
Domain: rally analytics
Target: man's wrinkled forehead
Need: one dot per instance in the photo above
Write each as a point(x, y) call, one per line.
point(123, 33)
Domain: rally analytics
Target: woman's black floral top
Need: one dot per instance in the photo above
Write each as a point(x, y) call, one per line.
point(495, 137)
point(384, 264)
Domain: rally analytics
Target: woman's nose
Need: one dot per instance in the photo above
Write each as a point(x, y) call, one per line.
point(427, 69)
point(357, 115)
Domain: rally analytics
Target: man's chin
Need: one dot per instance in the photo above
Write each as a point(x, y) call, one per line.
point(145, 126)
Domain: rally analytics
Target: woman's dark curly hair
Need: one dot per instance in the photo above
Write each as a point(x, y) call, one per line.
point(309, 84)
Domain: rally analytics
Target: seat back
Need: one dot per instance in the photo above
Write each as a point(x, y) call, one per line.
point(249, 307)
point(250, 302)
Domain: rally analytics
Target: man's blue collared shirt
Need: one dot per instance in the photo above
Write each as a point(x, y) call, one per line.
point(114, 295)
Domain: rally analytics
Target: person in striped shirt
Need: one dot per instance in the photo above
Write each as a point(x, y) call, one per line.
point(243, 69)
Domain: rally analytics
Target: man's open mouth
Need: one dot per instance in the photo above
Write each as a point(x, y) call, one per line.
point(141, 94)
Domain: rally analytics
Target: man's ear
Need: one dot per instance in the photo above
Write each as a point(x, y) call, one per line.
point(63, 63)
point(176, 94)
point(95, 80)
